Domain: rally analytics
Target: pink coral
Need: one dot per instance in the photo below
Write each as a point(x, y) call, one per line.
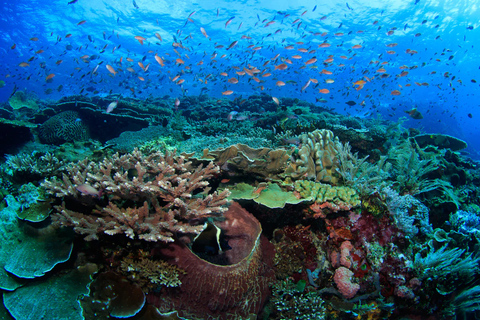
point(148, 197)
point(343, 280)
point(345, 258)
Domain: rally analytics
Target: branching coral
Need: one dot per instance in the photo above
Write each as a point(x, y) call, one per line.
point(32, 166)
point(151, 274)
point(149, 196)
point(290, 302)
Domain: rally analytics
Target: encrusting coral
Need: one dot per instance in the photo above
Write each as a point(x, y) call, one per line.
point(152, 197)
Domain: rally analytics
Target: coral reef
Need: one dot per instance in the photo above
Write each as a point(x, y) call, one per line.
point(334, 214)
point(159, 188)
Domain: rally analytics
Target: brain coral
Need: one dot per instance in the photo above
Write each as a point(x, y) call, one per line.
point(66, 126)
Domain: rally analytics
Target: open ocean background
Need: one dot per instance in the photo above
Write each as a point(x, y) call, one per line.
point(50, 38)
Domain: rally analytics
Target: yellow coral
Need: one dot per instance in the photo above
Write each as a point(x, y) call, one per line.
point(321, 193)
point(317, 158)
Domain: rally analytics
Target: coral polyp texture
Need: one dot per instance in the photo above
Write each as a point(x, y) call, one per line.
point(150, 197)
point(66, 126)
point(317, 157)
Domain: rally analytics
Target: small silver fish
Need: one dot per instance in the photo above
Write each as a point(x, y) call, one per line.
point(112, 106)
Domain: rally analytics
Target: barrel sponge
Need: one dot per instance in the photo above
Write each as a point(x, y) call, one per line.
point(66, 126)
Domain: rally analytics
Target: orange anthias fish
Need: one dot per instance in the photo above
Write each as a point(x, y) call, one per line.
point(110, 68)
point(159, 60)
point(282, 66)
point(227, 93)
point(140, 39)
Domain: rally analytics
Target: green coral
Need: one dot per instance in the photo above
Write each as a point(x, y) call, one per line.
point(321, 193)
point(268, 194)
point(34, 300)
point(22, 100)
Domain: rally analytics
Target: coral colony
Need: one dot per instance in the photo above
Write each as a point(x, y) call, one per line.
point(326, 224)
point(204, 166)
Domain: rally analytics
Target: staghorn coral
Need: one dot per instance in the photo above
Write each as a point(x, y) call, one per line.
point(66, 126)
point(317, 157)
point(32, 166)
point(149, 196)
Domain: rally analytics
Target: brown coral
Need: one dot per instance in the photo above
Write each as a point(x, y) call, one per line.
point(237, 290)
point(148, 196)
point(262, 161)
point(317, 157)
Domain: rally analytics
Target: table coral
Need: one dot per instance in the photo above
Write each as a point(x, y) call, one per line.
point(262, 161)
point(150, 197)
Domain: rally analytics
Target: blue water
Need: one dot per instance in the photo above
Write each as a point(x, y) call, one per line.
point(443, 33)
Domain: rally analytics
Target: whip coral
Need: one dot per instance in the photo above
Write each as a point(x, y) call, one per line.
point(152, 197)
